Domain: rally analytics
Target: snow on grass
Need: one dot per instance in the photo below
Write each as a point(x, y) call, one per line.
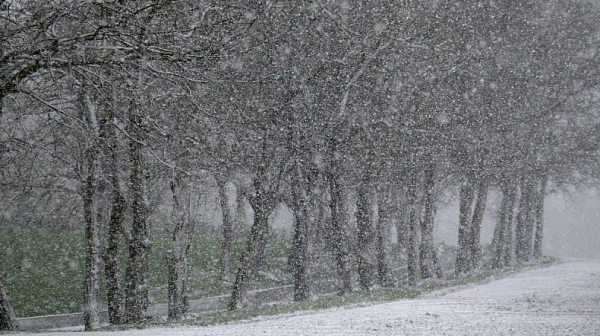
point(563, 299)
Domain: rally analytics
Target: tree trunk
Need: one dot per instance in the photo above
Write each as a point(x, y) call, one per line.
point(384, 274)
point(177, 255)
point(427, 251)
point(508, 239)
point(258, 234)
point(300, 242)
point(524, 248)
point(340, 241)
point(530, 220)
point(464, 228)
point(402, 222)
point(136, 274)
point(92, 228)
point(520, 225)
point(498, 242)
point(8, 320)
point(475, 233)
point(261, 256)
point(115, 227)
point(364, 225)
point(111, 265)
point(92, 238)
point(224, 269)
point(263, 203)
point(413, 229)
point(318, 240)
point(539, 217)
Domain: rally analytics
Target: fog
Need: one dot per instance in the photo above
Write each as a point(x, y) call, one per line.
point(571, 224)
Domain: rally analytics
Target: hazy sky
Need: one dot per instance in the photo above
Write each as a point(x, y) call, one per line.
point(572, 224)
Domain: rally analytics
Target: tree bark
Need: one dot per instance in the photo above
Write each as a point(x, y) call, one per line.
point(319, 220)
point(427, 250)
point(340, 241)
point(258, 233)
point(508, 239)
point(115, 226)
point(177, 255)
point(384, 274)
point(524, 231)
point(530, 220)
point(520, 228)
point(261, 254)
point(539, 217)
point(8, 320)
point(364, 225)
point(414, 216)
point(498, 241)
point(475, 233)
point(263, 202)
point(402, 222)
point(300, 242)
point(92, 238)
point(136, 274)
point(7, 315)
point(464, 227)
point(224, 269)
point(92, 227)
point(111, 265)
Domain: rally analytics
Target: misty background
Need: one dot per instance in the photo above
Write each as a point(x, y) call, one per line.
point(571, 219)
point(571, 224)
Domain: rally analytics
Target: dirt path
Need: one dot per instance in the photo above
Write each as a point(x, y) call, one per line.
point(563, 299)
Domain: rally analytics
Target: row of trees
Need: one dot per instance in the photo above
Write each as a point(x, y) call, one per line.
point(315, 104)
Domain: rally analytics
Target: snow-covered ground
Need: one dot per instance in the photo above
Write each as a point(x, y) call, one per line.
point(563, 299)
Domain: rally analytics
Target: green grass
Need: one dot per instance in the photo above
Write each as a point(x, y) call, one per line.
point(358, 298)
point(43, 269)
point(43, 272)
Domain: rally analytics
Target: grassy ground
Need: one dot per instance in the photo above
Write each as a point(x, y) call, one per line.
point(358, 298)
point(43, 273)
point(43, 269)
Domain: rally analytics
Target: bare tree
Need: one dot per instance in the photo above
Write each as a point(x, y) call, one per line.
point(224, 269)
point(412, 262)
point(427, 253)
point(177, 255)
point(108, 135)
point(300, 207)
point(502, 240)
point(264, 198)
point(365, 257)
point(539, 216)
point(338, 232)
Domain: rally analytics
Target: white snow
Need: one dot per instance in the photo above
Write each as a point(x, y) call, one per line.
point(563, 299)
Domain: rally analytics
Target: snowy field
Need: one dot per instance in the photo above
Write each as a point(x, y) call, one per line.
point(563, 299)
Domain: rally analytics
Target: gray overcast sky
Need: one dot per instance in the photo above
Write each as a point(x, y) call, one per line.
point(572, 224)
